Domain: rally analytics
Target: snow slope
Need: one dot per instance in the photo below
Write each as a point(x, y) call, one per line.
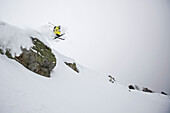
point(22, 91)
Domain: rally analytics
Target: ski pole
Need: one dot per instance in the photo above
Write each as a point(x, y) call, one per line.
point(51, 24)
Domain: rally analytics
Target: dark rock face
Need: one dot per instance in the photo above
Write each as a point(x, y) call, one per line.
point(73, 66)
point(164, 93)
point(147, 90)
point(131, 87)
point(112, 80)
point(38, 59)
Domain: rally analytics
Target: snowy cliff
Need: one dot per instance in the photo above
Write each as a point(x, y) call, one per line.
point(27, 49)
point(66, 91)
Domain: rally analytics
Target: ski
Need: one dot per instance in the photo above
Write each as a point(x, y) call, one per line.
point(59, 38)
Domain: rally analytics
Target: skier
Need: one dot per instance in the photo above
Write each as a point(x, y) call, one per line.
point(58, 32)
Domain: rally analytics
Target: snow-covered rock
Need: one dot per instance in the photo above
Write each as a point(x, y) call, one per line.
point(38, 57)
point(73, 66)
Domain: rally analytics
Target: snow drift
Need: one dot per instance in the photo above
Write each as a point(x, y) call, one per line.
point(13, 38)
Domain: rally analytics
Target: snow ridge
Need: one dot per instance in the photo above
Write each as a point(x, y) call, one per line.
point(13, 39)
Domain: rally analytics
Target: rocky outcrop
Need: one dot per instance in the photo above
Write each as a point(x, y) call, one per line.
point(147, 90)
point(144, 89)
point(111, 79)
point(73, 66)
point(131, 87)
point(135, 87)
point(38, 59)
point(164, 93)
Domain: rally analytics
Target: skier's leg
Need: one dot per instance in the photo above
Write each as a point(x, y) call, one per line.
point(57, 36)
point(62, 34)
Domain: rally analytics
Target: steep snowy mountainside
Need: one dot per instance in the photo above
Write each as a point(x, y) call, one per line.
point(66, 91)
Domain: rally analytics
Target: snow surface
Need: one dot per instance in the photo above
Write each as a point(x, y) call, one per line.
point(22, 91)
point(13, 39)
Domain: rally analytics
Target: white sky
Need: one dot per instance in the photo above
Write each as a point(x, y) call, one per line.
point(129, 39)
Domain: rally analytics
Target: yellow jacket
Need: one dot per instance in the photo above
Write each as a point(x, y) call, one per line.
point(57, 30)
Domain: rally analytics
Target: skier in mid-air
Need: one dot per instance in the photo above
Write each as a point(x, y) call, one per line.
point(58, 32)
